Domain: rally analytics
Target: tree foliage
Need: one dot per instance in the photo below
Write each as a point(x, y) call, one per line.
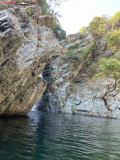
point(113, 40)
point(115, 21)
point(84, 30)
point(49, 6)
point(98, 26)
point(49, 9)
point(57, 29)
point(109, 67)
point(53, 4)
point(44, 5)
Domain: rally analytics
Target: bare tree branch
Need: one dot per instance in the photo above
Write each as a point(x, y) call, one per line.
point(103, 97)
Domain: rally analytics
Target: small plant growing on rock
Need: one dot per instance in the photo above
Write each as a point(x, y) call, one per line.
point(74, 46)
point(29, 12)
point(73, 109)
point(81, 57)
point(92, 69)
point(54, 51)
point(82, 95)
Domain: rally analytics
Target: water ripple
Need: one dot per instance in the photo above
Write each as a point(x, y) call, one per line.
point(44, 136)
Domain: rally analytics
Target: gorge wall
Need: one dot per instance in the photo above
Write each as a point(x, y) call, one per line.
point(71, 89)
point(26, 46)
point(35, 67)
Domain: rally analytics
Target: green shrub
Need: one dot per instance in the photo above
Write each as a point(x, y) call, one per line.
point(116, 56)
point(28, 11)
point(81, 56)
point(74, 46)
point(87, 61)
point(109, 67)
point(92, 69)
point(73, 109)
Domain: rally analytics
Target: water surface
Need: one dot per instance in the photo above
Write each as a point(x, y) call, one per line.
point(44, 136)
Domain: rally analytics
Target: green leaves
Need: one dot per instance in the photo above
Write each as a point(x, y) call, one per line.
point(113, 41)
point(92, 69)
point(115, 21)
point(84, 30)
point(109, 67)
point(60, 34)
point(28, 11)
point(74, 46)
point(98, 26)
point(80, 57)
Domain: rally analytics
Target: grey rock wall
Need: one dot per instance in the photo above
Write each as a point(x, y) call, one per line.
point(78, 94)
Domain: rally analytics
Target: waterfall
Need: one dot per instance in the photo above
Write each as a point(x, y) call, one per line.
point(36, 106)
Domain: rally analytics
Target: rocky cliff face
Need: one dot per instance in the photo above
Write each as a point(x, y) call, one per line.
point(34, 67)
point(71, 90)
point(25, 48)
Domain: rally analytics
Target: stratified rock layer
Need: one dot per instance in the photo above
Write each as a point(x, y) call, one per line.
point(35, 68)
point(71, 90)
point(25, 49)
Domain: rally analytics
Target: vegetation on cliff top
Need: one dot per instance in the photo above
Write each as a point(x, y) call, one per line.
point(49, 9)
point(115, 21)
point(109, 28)
point(98, 26)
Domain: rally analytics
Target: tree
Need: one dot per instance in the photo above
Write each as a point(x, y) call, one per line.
point(53, 4)
point(57, 29)
point(84, 30)
point(113, 40)
point(49, 6)
point(115, 21)
point(109, 68)
point(49, 9)
point(98, 26)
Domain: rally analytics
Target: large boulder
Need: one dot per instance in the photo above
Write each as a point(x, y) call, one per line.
point(23, 57)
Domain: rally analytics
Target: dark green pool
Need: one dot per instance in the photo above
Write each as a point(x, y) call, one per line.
point(44, 136)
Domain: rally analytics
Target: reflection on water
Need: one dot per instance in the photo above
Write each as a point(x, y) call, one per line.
point(44, 136)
